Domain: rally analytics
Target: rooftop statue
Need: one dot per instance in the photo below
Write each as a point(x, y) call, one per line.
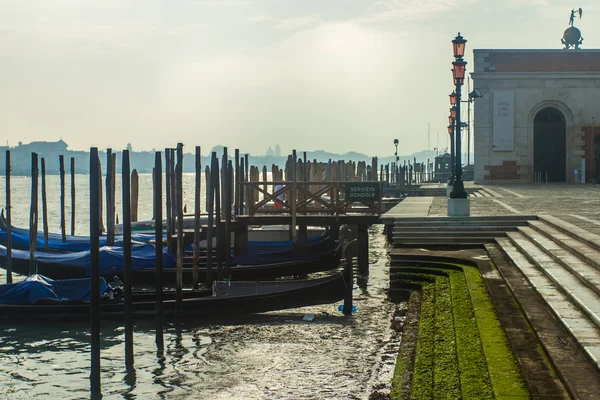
point(572, 36)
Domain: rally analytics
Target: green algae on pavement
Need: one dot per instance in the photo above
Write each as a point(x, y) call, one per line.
point(461, 349)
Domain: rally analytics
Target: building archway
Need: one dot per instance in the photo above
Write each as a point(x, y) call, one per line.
point(550, 144)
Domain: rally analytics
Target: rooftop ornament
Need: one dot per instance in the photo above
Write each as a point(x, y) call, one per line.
point(572, 37)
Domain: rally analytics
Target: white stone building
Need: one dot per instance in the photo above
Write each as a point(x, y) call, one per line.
point(539, 114)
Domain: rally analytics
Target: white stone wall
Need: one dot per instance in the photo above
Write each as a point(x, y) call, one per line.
point(577, 95)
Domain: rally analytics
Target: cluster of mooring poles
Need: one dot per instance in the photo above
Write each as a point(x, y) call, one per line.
point(312, 194)
point(33, 214)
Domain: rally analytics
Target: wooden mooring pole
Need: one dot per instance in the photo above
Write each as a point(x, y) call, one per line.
point(209, 232)
point(9, 222)
point(227, 246)
point(44, 205)
point(168, 194)
point(349, 276)
point(33, 213)
point(293, 195)
point(72, 196)
point(135, 194)
point(218, 225)
point(127, 278)
point(63, 227)
point(95, 193)
point(363, 248)
point(236, 205)
point(179, 210)
point(197, 216)
point(158, 246)
point(110, 201)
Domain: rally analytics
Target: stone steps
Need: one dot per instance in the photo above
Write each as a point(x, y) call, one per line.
point(579, 293)
point(449, 233)
point(462, 228)
point(515, 217)
point(443, 241)
point(577, 247)
point(562, 263)
point(573, 231)
point(587, 274)
point(579, 324)
point(453, 231)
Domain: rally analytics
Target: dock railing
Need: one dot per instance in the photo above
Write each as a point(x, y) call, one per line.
point(312, 198)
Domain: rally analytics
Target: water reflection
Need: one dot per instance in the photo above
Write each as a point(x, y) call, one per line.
point(275, 355)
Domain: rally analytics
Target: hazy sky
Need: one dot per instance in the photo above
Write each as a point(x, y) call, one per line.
point(340, 75)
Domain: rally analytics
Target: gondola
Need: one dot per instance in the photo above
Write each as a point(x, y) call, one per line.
point(76, 265)
point(228, 297)
point(20, 240)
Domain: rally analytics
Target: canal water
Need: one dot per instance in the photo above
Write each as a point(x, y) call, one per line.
point(275, 355)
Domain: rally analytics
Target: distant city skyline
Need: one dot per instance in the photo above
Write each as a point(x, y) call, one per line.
point(348, 76)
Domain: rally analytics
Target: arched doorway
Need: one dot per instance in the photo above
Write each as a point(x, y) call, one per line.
point(550, 144)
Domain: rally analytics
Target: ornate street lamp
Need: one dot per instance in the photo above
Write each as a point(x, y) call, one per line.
point(396, 144)
point(458, 74)
point(453, 98)
point(458, 45)
point(453, 112)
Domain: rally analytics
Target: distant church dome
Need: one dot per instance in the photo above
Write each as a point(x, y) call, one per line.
point(572, 36)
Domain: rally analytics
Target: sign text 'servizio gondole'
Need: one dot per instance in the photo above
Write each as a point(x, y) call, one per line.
point(362, 191)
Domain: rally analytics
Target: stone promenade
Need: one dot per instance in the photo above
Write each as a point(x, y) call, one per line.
point(577, 204)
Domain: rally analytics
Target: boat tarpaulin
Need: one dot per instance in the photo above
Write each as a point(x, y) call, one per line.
point(37, 287)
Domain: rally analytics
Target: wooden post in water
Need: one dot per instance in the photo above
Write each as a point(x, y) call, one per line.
point(9, 222)
point(207, 185)
point(349, 277)
point(158, 246)
point(44, 205)
point(197, 216)
point(33, 213)
point(179, 209)
point(61, 168)
point(247, 168)
point(219, 228)
point(173, 190)
point(209, 230)
point(293, 196)
point(242, 209)
point(135, 193)
point(168, 194)
point(100, 194)
point(95, 193)
point(236, 206)
point(72, 196)
point(227, 244)
point(127, 278)
point(264, 178)
point(110, 201)
point(363, 248)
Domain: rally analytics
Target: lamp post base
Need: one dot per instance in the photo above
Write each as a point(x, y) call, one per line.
point(458, 190)
point(459, 207)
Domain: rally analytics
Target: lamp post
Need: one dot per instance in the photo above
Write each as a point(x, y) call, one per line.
point(458, 72)
point(451, 132)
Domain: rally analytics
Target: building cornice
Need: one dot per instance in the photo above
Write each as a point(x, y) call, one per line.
point(536, 51)
point(535, 75)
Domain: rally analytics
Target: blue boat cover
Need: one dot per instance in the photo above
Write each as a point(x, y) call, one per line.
point(20, 238)
point(111, 258)
point(37, 287)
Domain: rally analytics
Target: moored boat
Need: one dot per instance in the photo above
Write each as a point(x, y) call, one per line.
point(228, 297)
point(76, 265)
